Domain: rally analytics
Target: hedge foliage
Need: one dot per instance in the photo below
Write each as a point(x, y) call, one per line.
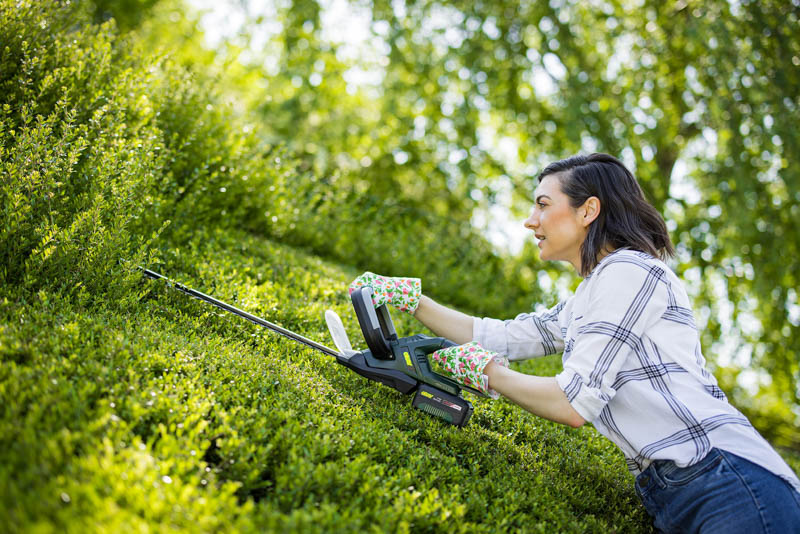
point(101, 148)
point(129, 407)
point(167, 413)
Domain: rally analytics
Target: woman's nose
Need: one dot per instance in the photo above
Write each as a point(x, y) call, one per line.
point(532, 222)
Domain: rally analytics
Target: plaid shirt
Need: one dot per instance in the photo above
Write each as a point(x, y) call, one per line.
point(633, 366)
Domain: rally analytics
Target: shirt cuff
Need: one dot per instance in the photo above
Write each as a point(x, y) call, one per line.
point(588, 402)
point(490, 334)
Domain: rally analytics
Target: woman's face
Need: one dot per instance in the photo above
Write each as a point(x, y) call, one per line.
point(560, 228)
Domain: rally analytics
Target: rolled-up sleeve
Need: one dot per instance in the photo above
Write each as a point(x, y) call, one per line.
point(624, 300)
point(526, 336)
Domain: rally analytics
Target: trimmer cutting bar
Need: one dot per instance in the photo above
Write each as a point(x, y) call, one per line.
point(241, 313)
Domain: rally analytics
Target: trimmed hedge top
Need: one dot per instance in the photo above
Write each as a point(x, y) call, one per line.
point(169, 413)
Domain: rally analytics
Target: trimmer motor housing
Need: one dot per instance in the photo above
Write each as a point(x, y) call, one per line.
point(403, 363)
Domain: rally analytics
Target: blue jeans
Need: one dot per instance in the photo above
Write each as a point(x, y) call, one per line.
point(721, 493)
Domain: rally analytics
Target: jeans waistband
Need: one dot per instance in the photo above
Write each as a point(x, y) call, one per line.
point(666, 468)
point(658, 470)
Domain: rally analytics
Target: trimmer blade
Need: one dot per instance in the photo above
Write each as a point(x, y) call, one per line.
point(338, 334)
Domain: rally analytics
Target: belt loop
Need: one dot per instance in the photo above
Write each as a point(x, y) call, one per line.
point(648, 479)
point(666, 467)
point(655, 476)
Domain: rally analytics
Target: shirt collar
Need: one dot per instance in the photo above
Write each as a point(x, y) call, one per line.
point(603, 260)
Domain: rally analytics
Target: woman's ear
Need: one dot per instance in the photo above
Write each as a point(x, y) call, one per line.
point(590, 210)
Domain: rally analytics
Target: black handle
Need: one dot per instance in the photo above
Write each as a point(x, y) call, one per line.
point(376, 323)
point(433, 344)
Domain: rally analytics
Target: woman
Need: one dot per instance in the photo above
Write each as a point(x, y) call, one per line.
point(631, 356)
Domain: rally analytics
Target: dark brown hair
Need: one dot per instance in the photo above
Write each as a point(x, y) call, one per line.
point(626, 218)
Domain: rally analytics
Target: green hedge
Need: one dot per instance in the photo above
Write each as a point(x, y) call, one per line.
point(172, 414)
point(99, 150)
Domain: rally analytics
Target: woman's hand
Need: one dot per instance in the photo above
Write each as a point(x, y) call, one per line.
point(402, 293)
point(466, 365)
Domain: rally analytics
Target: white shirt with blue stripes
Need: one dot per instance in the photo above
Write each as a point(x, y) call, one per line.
point(633, 366)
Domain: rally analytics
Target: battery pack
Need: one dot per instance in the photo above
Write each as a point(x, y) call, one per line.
point(453, 409)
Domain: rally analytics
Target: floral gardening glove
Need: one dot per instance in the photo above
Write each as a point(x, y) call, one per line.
point(402, 293)
point(465, 364)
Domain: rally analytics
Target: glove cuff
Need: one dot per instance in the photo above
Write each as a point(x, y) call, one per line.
point(500, 359)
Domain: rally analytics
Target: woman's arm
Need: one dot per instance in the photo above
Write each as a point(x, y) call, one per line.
point(539, 395)
point(443, 321)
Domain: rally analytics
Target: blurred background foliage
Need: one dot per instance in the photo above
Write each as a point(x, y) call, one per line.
point(415, 129)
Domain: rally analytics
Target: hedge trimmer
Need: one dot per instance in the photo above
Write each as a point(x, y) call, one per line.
point(400, 363)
